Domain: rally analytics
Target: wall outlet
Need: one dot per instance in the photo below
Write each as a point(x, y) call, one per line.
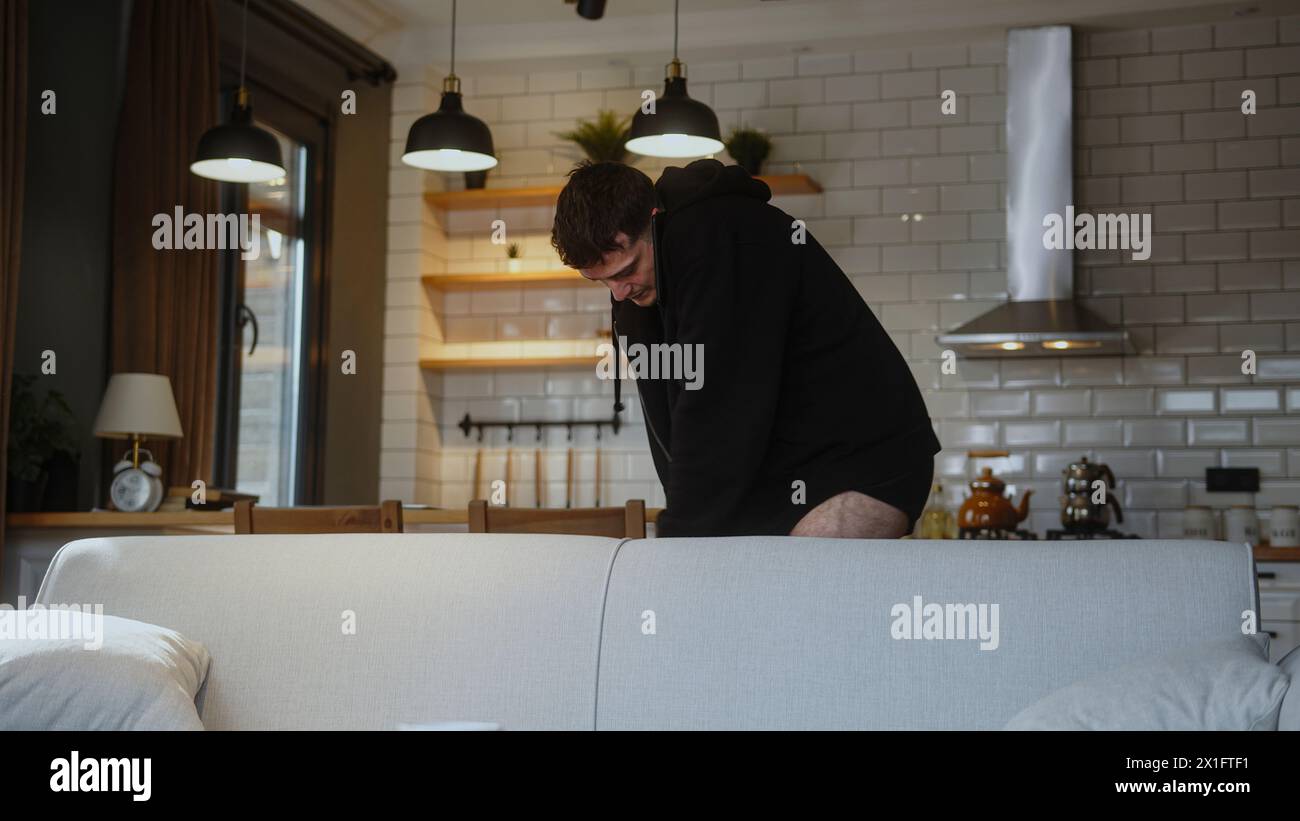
point(1232, 480)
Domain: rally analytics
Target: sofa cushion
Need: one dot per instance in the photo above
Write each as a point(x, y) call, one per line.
point(785, 633)
point(366, 631)
point(1220, 685)
point(106, 673)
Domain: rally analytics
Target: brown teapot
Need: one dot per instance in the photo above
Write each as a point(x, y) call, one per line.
point(987, 507)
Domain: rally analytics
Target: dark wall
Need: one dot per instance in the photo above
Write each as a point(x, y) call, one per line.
point(76, 48)
point(356, 298)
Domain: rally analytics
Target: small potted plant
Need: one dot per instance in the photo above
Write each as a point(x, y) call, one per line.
point(602, 139)
point(42, 435)
point(749, 147)
point(475, 180)
point(513, 263)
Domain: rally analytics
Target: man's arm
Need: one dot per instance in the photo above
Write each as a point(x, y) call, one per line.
point(735, 300)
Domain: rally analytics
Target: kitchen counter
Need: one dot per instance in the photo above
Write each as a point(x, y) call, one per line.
point(1264, 553)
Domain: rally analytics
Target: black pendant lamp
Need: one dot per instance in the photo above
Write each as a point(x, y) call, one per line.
point(239, 151)
point(449, 139)
point(679, 127)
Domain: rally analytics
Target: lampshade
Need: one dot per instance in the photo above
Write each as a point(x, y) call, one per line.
point(679, 126)
point(238, 151)
point(450, 139)
point(138, 404)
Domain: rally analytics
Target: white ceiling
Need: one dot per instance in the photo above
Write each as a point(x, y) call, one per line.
point(530, 34)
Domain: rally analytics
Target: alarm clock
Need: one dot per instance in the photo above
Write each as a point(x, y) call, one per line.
point(137, 489)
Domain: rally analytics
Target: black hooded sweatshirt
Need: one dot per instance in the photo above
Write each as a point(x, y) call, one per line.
point(800, 381)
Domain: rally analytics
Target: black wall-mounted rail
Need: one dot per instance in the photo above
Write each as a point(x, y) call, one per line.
point(466, 424)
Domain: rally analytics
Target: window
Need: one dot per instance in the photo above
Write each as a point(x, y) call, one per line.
point(270, 372)
point(269, 378)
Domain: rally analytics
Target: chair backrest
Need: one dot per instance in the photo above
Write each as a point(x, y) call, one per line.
point(627, 522)
point(386, 518)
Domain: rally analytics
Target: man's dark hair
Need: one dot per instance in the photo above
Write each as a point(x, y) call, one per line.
point(600, 201)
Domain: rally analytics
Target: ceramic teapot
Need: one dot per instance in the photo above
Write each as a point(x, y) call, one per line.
point(988, 508)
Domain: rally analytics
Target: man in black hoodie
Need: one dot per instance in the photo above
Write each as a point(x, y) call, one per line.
point(808, 421)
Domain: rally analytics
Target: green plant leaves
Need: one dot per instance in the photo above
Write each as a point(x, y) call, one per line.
point(601, 139)
point(39, 428)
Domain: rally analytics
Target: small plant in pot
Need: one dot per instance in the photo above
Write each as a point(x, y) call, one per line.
point(602, 139)
point(749, 147)
point(513, 263)
point(42, 433)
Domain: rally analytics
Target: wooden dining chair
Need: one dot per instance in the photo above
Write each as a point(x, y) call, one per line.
point(627, 522)
point(385, 518)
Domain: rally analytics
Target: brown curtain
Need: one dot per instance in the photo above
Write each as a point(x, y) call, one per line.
point(13, 153)
point(165, 301)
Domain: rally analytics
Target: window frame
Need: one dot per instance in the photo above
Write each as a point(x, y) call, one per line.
point(275, 104)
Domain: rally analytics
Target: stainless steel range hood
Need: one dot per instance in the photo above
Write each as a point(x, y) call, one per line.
point(1042, 318)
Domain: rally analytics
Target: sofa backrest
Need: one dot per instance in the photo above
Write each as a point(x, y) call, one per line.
point(570, 632)
point(780, 633)
point(449, 627)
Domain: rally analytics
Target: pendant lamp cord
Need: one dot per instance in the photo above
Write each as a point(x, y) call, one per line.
point(677, 5)
point(243, 48)
point(453, 38)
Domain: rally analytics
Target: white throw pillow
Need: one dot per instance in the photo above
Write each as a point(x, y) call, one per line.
point(1226, 684)
point(82, 672)
point(1289, 716)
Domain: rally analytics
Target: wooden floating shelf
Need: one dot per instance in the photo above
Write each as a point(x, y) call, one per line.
point(489, 198)
point(482, 363)
point(497, 281)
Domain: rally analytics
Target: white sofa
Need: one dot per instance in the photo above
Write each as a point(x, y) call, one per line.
point(562, 632)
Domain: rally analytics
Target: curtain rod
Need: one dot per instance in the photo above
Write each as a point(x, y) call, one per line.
point(294, 20)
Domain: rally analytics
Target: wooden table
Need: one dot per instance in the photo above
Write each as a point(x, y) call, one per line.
point(32, 539)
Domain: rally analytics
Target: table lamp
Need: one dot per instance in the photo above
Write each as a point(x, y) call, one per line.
point(138, 406)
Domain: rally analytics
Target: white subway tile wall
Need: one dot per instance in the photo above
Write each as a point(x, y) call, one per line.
point(1159, 129)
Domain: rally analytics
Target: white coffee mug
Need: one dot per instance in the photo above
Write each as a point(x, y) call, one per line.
point(1241, 525)
point(1198, 523)
point(1284, 527)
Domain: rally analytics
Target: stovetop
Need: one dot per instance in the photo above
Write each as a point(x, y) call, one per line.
point(1052, 535)
point(1084, 535)
point(996, 534)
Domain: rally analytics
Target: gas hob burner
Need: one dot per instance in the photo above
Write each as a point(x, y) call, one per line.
point(1077, 535)
point(995, 534)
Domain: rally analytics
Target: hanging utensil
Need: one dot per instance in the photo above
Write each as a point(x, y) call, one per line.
point(478, 473)
point(597, 471)
point(510, 458)
point(537, 476)
point(568, 480)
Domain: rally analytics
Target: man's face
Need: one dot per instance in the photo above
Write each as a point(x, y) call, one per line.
point(628, 271)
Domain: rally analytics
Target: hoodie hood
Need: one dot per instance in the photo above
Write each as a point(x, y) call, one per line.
point(679, 188)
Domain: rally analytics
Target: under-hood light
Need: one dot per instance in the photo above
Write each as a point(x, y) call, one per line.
point(1068, 345)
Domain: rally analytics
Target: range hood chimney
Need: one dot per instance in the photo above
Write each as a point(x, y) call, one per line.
point(1042, 318)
